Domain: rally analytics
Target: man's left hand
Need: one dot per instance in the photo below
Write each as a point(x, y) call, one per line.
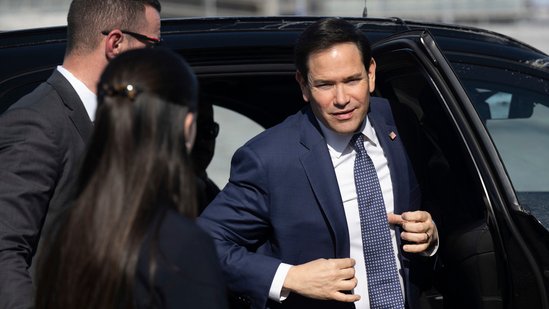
point(419, 230)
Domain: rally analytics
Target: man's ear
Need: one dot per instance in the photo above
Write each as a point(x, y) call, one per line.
point(113, 43)
point(190, 131)
point(303, 85)
point(372, 75)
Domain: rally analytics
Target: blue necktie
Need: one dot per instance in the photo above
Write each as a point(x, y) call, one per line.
point(381, 270)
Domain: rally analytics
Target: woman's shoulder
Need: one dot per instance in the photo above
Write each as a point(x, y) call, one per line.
point(179, 233)
point(187, 272)
point(181, 247)
point(173, 220)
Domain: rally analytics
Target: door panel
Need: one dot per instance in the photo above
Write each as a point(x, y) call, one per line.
point(463, 179)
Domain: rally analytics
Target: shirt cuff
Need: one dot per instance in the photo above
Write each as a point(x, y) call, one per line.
point(433, 250)
point(276, 292)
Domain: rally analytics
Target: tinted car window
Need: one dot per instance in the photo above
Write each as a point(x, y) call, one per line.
point(14, 88)
point(514, 107)
point(234, 130)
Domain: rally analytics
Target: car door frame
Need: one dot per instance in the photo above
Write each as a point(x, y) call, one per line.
point(502, 207)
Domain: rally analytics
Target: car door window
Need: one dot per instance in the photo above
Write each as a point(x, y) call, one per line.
point(514, 107)
point(246, 100)
point(234, 131)
point(13, 89)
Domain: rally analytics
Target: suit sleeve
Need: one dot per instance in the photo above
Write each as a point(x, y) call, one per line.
point(238, 221)
point(29, 164)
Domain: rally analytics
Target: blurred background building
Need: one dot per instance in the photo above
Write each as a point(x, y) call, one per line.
point(526, 20)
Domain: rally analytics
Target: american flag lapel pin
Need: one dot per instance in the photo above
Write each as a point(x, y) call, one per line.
point(392, 135)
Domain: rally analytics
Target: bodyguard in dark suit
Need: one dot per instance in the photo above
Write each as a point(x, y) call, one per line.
point(41, 138)
point(43, 135)
point(289, 226)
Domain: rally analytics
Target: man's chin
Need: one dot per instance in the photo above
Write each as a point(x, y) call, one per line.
point(345, 127)
point(344, 130)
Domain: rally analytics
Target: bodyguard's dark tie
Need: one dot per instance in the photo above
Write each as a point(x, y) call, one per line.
point(381, 270)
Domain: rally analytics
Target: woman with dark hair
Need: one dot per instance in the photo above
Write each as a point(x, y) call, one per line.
point(128, 241)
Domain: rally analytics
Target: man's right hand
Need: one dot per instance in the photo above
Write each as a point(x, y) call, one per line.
point(323, 279)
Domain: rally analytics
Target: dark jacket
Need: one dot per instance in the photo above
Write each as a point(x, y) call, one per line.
point(42, 138)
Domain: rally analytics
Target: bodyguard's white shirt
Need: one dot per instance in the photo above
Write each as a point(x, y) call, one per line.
point(88, 98)
point(343, 160)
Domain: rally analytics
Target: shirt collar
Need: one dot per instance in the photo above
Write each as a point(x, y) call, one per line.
point(339, 143)
point(88, 98)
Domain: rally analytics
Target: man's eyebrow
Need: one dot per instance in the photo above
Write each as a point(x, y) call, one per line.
point(354, 76)
point(330, 81)
point(321, 81)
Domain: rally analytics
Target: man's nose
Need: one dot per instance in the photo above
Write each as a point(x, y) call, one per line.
point(341, 97)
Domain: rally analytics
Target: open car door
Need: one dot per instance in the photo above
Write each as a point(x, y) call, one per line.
point(493, 252)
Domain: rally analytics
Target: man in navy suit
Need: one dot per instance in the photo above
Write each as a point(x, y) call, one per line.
point(43, 135)
point(286, 226)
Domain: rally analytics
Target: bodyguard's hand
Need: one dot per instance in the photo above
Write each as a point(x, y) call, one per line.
point(323, 279)
point(419, 230)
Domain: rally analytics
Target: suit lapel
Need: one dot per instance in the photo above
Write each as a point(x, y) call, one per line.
point(394, 151)
point(318, 166)
point(77, 111)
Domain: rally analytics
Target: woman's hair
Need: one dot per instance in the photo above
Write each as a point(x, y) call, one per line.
point(137, 159)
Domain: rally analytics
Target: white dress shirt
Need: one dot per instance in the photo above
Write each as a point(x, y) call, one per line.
point(88, 97)
point(343, 159)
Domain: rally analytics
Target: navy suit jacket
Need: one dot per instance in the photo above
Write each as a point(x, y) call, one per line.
point(282, 204)
point(42, 138)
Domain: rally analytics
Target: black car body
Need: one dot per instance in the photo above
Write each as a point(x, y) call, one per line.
point(472, 108)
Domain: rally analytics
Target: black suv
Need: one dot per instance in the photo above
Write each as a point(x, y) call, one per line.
point(472, 108)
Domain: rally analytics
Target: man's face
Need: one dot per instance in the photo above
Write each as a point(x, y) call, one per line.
point(338, 87)
point(149, 28)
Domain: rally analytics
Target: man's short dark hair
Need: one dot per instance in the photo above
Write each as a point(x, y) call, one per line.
point(326, 33)
point(88, 18)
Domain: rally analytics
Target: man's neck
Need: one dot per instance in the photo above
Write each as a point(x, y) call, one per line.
point(87, 68)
